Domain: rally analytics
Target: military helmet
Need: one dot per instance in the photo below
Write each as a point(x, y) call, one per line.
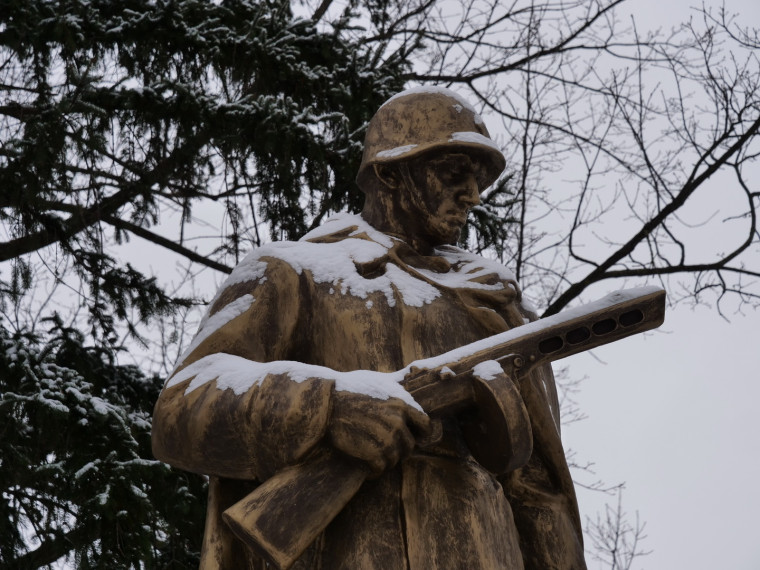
point(421, 119)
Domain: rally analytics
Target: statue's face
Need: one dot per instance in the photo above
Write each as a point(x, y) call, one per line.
point(445, 188)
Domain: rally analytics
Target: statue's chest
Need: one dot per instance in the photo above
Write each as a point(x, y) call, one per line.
point(386, 327)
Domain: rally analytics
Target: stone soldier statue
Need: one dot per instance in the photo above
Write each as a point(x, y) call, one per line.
point(282, 368)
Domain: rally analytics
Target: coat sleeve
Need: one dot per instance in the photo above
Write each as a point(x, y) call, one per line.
point(219, 414)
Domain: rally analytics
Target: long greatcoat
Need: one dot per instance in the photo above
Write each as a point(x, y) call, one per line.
point(346, 297)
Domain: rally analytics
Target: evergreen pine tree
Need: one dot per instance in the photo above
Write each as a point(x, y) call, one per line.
point(111, 114)
point(77, 475)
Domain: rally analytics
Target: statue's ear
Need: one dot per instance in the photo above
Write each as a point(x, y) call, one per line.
point(388, 175)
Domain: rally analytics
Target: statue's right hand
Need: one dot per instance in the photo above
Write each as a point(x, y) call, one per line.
point(378, 432)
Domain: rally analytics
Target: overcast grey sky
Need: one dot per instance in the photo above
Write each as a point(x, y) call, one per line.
point(674, 415)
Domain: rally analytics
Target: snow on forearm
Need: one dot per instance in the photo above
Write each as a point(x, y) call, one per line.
point(240, 375)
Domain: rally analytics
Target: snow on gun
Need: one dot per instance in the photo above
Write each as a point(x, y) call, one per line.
point(464, 379)
point(616, 316)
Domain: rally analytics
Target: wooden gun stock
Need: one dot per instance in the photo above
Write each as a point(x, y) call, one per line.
point(286, 513)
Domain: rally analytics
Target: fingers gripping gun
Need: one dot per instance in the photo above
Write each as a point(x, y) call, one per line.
point(285, 514)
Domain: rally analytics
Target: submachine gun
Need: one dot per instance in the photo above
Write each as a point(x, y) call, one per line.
point(286, 513)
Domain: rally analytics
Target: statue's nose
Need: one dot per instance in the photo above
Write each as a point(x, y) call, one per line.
point(470, 193)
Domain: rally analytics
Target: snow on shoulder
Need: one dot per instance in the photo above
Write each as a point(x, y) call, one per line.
point(468, 268)
point(335, 262)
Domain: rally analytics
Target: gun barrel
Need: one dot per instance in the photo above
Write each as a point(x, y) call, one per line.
point(441, 384)
point(612, 318)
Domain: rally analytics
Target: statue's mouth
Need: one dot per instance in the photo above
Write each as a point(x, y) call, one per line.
point(456, 218)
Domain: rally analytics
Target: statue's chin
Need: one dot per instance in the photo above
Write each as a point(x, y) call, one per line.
point(446, 234)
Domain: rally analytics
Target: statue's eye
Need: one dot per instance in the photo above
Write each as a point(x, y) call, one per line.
point(454, 169)
point(482, 177)
point(453, 176)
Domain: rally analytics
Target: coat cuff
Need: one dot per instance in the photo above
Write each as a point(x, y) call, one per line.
point(289, 419)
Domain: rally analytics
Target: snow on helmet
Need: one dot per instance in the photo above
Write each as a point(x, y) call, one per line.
point(421, 119)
